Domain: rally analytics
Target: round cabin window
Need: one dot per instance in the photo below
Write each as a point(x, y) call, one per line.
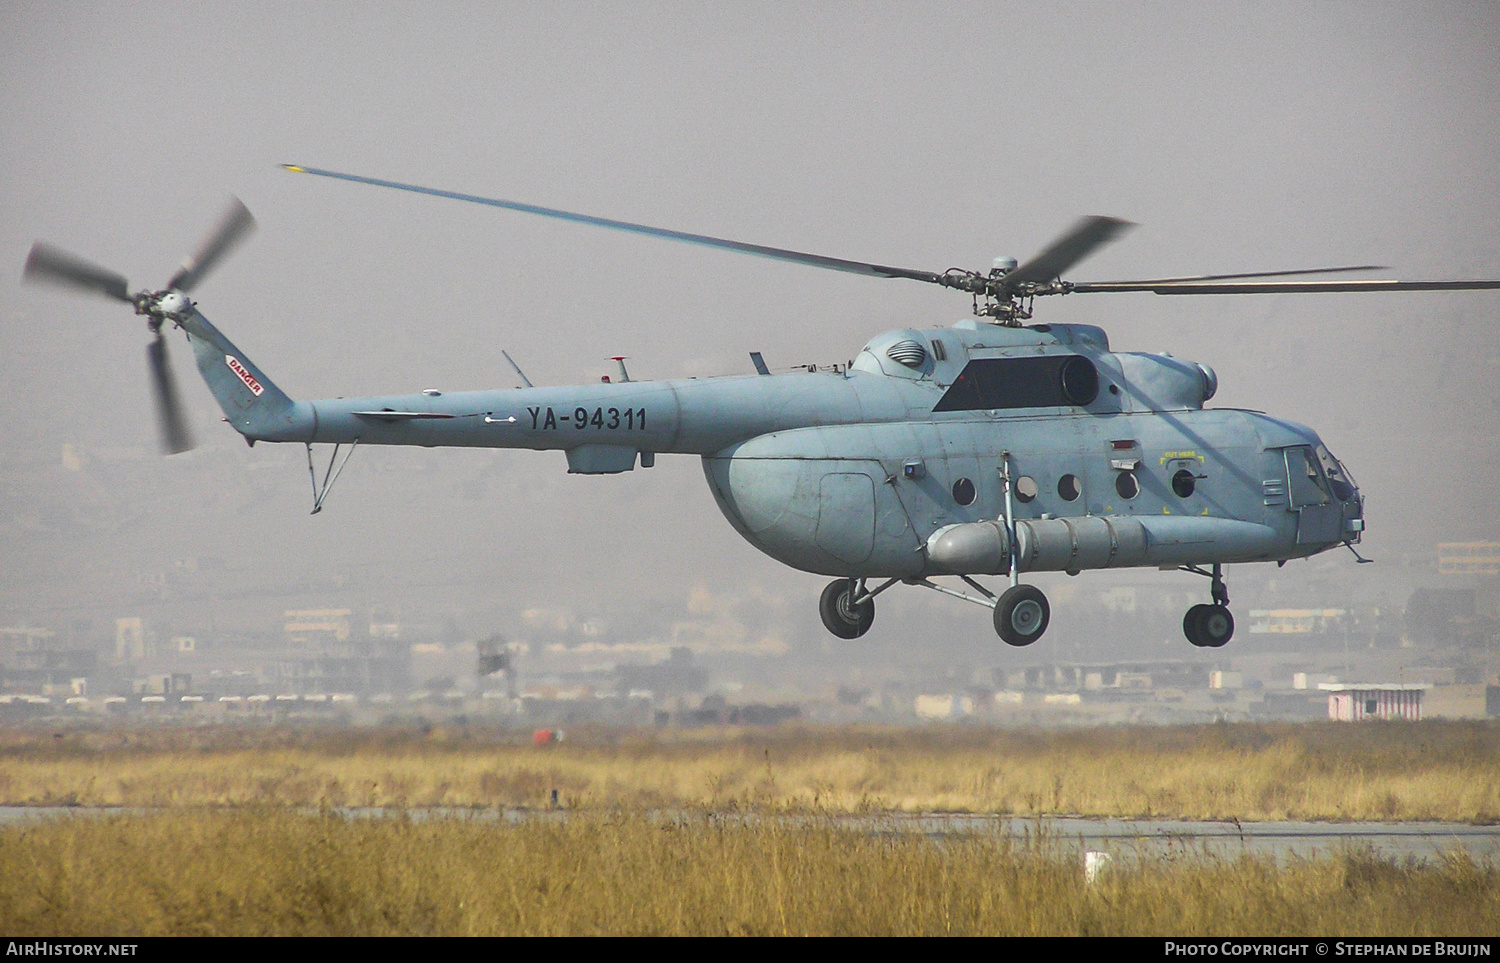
point(1069, 488)
point(963, 491)
point(1126, 484)
point(1183, 483)
point(1025, 489)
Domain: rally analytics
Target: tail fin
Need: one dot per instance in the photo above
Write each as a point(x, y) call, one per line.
point(251, 402)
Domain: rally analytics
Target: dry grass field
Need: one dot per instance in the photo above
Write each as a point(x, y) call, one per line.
point(277, 872)
point(1446, 771)
point(242, 835)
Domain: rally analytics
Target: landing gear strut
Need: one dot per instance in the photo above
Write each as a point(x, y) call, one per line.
point(1021, 612)
point(842, 615)
point(1209, 626)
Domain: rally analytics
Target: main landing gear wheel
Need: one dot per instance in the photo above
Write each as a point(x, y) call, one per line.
point(840, 617)
point(1021, 614)
point(1208, 626)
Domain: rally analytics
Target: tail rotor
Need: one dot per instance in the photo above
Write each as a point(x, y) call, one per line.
point(51, 265)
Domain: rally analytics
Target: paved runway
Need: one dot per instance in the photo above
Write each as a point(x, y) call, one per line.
point(1151, 838)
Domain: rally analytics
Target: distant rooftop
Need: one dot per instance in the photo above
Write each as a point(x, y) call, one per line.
point(1369, 686)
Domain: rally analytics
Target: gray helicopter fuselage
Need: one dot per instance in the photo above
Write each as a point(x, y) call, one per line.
point(896, 465)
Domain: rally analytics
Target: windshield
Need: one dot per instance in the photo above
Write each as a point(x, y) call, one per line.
point(1339, 479)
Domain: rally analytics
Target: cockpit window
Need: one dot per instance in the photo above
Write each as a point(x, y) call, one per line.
point(1305, 483)
point(1339, 478)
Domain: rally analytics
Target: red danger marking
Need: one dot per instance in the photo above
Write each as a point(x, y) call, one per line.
point(245, 376)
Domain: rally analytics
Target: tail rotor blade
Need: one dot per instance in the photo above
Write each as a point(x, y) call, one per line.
point(233, 227)
point(52, 265)
point(174, 433)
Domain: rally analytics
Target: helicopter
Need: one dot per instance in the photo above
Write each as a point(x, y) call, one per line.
point(989, 448)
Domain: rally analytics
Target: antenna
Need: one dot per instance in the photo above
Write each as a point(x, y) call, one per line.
point(519, 373)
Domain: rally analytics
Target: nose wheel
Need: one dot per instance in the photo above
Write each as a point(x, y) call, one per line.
point(1210, 626)
point(841, 614)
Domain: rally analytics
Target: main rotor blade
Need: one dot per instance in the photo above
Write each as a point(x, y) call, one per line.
point(52, 265)
point(1257, 274)
point(1278, 287)
point(233, 227)
point(169, 420)
point(775, 253)
point(1079, 242)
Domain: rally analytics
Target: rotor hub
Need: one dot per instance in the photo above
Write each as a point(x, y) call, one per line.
point(162, 306)
point(174, 304)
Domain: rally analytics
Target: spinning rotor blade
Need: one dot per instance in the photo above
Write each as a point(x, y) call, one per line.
point(1002, 293)
point(776, 253)
point(232, 228)
point(1277, 287)
point(1081, 240)
point(1257, 274)
point(1078, 243)
point(51, 265)
point(174, 433)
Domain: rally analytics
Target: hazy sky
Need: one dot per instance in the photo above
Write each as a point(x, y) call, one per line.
point(1242, 137)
